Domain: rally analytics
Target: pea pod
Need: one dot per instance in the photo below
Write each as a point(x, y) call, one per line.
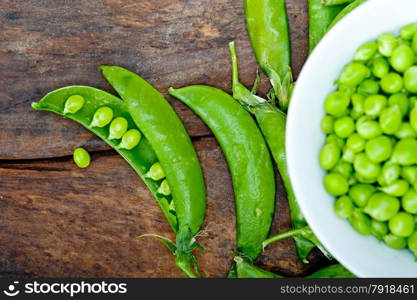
point(248, 159)
point(161, 126)
point(345, 11)
point(272, 122)
point(267, 26)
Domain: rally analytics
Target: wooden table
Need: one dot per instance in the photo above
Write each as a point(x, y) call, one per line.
point(61, 221)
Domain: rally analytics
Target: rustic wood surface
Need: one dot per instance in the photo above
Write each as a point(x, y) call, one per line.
point(60, 221)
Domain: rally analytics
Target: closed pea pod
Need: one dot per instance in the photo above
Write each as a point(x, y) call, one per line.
point(345, 11)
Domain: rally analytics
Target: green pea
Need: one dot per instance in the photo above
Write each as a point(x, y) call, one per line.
point(405, 131)
point(365, 167)
point(409, 174)
point(402, 58)
point(409, 202)
point(379, 229)
point(366, 51)
point(361, 179)
point(390, 119)
point(343, 207)
point(410, 79)
point(329, 156)
point(380, 67)
point(353, 74)
point(401, 100)
point(368, 87)
point(405, 152)
point(392, 83)
point(344, 127)
point(379, 149)
point(327, 124)
point(360, 222)
point(408, 31)
point(395, 242)
point(343, 168)
point(398, 188)
point(357, 103)
point(386, 44)
point(336, 103)
point(102, 117)
point(130, 139)
point(118, 127)
point(361, 193)
point(368, 129)
point(402, 224)
point(413, 118)
point(334, 139)
point(412, 101)
point(412, 243)
point(164, 188)
point(356, 143)
point(155, 172)
point(382, 207)
point(348, 90)
point(348, 155)
point(335, 184)
point(414, 43)
point(81, 158)
point(73, 104)
point(374, 105)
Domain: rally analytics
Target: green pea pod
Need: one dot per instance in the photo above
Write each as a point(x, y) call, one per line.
point(248, 159)
point(267, 26)
point(161, 126)
point(346, 10)
point(272, 122)
point(336, 2)
point(320, 17)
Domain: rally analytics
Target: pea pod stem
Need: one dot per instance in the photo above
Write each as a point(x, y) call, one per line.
point(281, 236)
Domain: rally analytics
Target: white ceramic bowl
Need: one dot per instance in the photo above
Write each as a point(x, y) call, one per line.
point(363, 255)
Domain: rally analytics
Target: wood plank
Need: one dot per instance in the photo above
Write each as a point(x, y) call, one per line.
point(59, 221)
point(47, 44)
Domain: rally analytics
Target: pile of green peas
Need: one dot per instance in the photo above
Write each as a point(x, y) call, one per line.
point(370, 152)
point(118, 130)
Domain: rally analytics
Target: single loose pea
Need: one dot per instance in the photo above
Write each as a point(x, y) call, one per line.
point(402, 224)
point(360, 222)
point(336, 103)
point(410, 79)
point(409, 202)
point(405, 152)
point(102, 117)
point(368, 87)
point(413, 117)
point(390, 173)
point(414, 43)
point(353, 74)
point(344, 127)
point(334, 139)
point(361, 193)
point(412, 243)
point(118, 127)
point(343, 207)
point(343, 168)
point(329, 156)
point(366, 51)
point(327, 124)
point(164, 188)
point(356, 143)
point(405, 131)
point(348, 155)
point(395, 242)
point(380, 67)
point(412, 101)
point(130, 139)
point(365, 168)
point(409, 174)
point(408, 31)
point(390, 119)
point(81, 158)
point(401, 100)
point(374, 105)
point(398, 188)
point(379, 229)
point(387, 43)
point(402, 58)
point(379, 149)
point(155, 172)
point(73, 104)
point(357, 103)
point(392, 83)
point(368, 129)
point(382, 207)
point(335, 184)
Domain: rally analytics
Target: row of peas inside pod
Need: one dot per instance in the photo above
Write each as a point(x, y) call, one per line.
point(370, 152)
point(118, 130)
